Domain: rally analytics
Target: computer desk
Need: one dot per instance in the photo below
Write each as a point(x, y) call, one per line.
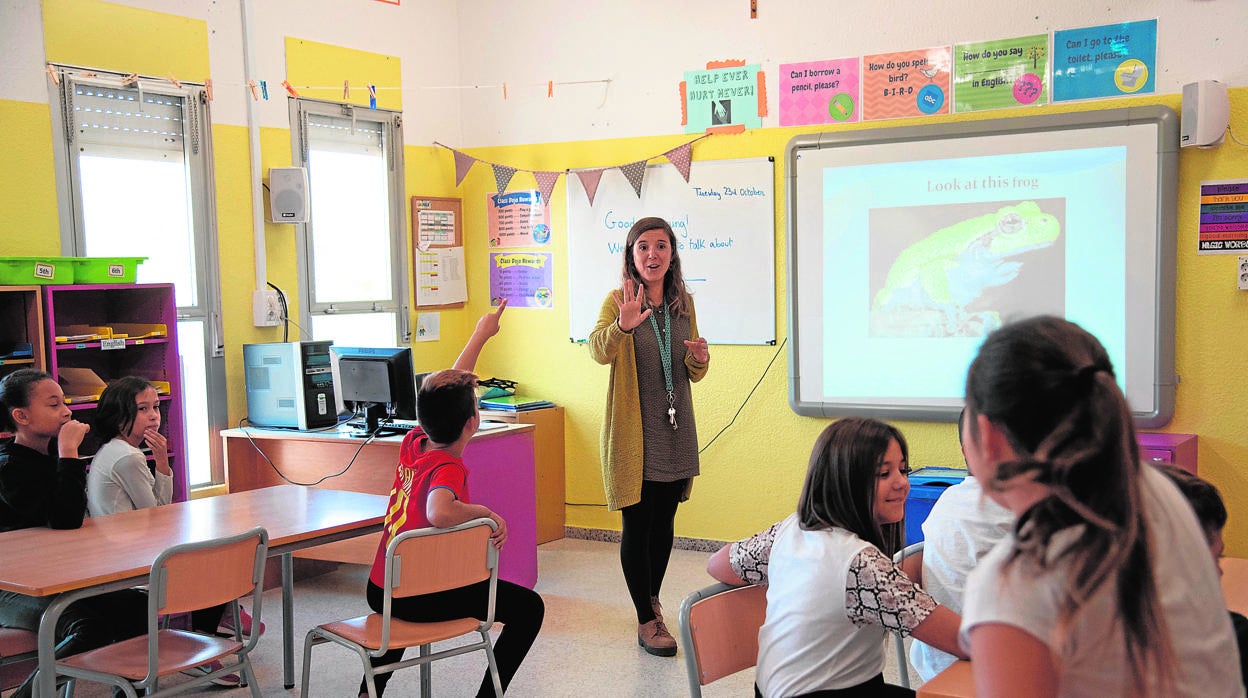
point(500, 476)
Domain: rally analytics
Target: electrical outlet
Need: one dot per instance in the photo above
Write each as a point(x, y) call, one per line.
point(1241, 273)
point(266, 308)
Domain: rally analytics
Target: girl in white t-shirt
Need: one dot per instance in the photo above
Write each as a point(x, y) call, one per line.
point(833, 591)
point(128, 416)
point(1105, 587)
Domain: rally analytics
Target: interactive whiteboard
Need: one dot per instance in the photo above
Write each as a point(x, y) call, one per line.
point(907, 246)
point(724, 220)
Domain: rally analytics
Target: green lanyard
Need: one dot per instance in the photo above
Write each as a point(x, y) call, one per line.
point(665, 357)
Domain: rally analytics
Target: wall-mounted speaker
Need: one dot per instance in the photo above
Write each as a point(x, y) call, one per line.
point(288, 194)
point(1206, 113)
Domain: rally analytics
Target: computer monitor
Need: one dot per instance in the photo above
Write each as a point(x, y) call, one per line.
point(379, 382)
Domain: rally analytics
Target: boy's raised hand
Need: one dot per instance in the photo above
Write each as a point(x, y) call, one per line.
point(488, 325)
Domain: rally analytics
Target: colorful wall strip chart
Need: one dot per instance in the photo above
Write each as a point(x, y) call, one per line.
point(1001, 74)
point(1106, 61)
point(723, 99)
point(525, 279)
point(819, 92)
point(1224, 217)
point(906, 83)
point(518, 219)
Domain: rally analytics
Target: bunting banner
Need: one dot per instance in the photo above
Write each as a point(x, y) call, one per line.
point(463, 163)
point(502, 175)
point(546, 184)
point(589, 180)
point(681, 157)
point(635, 172)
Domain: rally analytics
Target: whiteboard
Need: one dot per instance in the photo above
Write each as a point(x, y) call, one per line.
point(724, 220)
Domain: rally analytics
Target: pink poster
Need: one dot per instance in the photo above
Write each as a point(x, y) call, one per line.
point(819, 92)
point(518, 219)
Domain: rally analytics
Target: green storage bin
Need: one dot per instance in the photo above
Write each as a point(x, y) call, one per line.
point(106, 270)
point(23, 271)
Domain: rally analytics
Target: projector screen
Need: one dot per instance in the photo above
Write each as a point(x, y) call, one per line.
point(907, 246)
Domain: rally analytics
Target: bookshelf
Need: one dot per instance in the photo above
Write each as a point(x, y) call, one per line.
point(137, 309)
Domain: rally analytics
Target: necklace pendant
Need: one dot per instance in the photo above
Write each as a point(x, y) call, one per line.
point(671, 417)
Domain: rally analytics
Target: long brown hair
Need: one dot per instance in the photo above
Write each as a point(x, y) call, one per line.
point(674, 292)
point(1049, 386)
point(841, 479)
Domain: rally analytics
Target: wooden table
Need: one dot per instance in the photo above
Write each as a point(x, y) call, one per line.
point(500, 476)
point(957, 681)
point(116, 552)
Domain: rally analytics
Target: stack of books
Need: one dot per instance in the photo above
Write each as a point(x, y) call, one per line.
point(514, 403)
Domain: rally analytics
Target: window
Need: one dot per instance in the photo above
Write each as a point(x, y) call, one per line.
point(135, 181)
point(353, 261)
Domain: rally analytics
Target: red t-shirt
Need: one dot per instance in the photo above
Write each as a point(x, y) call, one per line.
point(421, 470)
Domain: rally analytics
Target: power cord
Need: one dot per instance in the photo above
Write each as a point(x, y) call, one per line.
point(281, 297)
point(282, 475)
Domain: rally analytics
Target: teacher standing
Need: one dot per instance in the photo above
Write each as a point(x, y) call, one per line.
point(648, 332)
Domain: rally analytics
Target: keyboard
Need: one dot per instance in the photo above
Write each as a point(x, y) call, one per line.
point(403, 425)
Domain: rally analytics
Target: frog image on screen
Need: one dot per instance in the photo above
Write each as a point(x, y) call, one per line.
point(932, 283)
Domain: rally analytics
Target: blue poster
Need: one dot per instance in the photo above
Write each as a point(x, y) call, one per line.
point(1107, 61)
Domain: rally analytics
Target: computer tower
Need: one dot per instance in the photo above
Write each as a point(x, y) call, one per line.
point(289, 384)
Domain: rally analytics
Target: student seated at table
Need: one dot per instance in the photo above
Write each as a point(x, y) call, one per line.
point(832, 588)
point(1103, 587)
point(961, 528)
point(43, 483)
point(127, 416)
point(431, 489)
point(1210, 511)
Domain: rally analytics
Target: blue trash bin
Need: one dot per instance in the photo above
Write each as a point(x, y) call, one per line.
point(926, 485)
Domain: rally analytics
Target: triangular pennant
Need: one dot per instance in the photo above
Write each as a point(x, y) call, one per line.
point(463, 163)
point(546, 184)
point(635, 172)
point(502, 175)
point(589, 180)
point(680, 157)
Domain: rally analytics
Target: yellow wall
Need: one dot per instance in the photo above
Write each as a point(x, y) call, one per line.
point(752, 473)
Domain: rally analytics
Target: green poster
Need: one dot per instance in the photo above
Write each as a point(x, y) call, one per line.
point(1001, 74)
point(723, 98)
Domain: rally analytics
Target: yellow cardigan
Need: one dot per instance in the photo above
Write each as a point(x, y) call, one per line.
point(621, 443)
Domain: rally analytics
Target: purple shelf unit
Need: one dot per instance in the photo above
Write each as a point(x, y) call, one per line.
point(153, 358)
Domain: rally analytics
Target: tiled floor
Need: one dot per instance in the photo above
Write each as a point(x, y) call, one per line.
point(588, 645)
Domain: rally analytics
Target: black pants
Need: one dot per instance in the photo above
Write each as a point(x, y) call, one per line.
point(646, 542)
point(519, 609)
point(94, 622)
point(874, 688)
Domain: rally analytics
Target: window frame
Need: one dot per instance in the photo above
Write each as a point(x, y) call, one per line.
point(400, 285)
point(198, 154)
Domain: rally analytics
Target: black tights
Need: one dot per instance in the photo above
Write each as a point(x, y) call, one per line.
point(519, 609)
point(646, 542)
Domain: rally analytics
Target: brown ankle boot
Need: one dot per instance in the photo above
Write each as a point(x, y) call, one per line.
point(656, 607)
point(654, 638)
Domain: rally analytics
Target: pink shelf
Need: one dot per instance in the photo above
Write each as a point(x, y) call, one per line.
point(154, 358)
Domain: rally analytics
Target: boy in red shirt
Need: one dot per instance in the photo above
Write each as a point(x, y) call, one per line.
point(431, 489)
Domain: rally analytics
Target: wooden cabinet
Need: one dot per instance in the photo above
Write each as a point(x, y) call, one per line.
point(548, 457)
point(21, 324)
point(76, 314)
point(21, 329)
point(1174, 449)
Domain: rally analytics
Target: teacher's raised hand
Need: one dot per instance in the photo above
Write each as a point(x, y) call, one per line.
point(631, 313)
point(699, 350)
